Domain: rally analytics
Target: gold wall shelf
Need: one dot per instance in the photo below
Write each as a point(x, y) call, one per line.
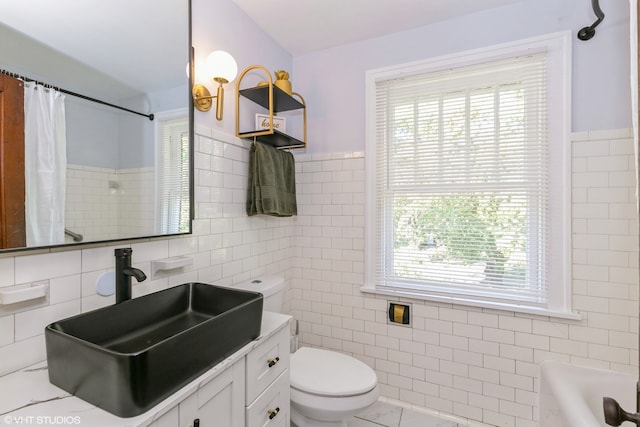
point(274, 100)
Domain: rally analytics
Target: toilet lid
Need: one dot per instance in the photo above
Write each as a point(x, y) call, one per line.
point(328, 373)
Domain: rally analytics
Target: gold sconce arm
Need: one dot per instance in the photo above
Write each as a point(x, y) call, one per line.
point(222, 68)
point(203, 100)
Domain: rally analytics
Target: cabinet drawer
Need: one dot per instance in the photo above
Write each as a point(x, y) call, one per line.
point(271, 408)
point(266, 362)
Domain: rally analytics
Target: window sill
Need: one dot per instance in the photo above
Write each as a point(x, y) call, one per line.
point(475, 303)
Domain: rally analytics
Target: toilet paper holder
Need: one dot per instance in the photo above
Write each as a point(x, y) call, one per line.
point(399, 313)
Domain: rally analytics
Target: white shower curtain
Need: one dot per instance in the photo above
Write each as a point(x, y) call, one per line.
point(45, 164)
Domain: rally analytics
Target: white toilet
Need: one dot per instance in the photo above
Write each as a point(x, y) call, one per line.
point(327, 387)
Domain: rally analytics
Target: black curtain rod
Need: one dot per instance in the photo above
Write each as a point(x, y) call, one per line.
point(587, 33)
point(77, 95)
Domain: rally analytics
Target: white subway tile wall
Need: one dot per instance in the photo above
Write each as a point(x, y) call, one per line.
point(227, 247)
point(136, 197)
point(87, 193)
point(102, 203)
point(477, 364)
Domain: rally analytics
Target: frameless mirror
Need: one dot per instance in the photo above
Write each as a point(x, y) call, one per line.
point(123, 133)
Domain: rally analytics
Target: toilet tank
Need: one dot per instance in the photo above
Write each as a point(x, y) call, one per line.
point(271, 288)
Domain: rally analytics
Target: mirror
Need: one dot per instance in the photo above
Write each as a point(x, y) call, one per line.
point(127, 172)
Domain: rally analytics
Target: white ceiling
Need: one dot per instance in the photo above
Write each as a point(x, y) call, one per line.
point(302, 26)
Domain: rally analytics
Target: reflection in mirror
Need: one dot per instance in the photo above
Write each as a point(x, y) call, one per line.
point(85, 171)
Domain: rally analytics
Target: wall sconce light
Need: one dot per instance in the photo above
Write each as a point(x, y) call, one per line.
point(222, 68)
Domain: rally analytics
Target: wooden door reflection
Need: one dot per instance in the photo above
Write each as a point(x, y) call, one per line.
point(12, 180)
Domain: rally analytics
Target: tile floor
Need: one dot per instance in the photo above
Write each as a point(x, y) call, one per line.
point(383, 414)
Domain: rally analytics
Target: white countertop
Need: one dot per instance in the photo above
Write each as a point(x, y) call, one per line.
point(28, 398)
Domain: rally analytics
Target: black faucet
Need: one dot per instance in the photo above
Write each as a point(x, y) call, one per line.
point(124, 271)
point(614, 415)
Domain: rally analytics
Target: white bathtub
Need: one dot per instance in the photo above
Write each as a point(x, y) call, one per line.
point(571, 396)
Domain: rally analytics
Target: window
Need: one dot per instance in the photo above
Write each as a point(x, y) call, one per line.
point(469, 202)
point(172, 185)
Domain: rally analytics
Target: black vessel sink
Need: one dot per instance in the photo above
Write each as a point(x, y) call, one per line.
point(127, 357)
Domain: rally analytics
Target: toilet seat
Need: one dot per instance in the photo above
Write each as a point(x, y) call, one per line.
point(328, 373)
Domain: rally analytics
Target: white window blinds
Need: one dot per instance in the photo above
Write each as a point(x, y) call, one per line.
point(173, 176)
point(462, 183)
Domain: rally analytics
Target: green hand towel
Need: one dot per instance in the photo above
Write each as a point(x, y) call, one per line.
point(272, 182)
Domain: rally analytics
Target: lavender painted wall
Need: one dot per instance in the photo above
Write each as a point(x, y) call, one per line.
point(332, 80)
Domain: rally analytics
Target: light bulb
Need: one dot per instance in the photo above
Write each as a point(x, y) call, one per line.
point(221, 65)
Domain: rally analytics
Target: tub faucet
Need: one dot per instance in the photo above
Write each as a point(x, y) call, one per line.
point(124, 272)
point(614, 415)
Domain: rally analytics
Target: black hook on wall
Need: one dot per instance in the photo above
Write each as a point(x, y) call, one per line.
point(588, 32)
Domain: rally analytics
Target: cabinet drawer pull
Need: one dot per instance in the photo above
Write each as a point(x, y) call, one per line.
point(273, 412)
point(271, 362)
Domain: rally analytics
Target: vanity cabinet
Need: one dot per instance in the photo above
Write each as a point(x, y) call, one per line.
point(249, 388)
point(220, 402)
point(253, 392)
point(169, 419)
point(267, 383)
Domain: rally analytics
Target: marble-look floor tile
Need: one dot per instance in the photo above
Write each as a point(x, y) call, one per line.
point(382, 414)
point(411, 418)
point(359, 422)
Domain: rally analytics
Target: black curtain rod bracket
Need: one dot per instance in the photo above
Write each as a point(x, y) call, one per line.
point(77, 95)
point(587, 33)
